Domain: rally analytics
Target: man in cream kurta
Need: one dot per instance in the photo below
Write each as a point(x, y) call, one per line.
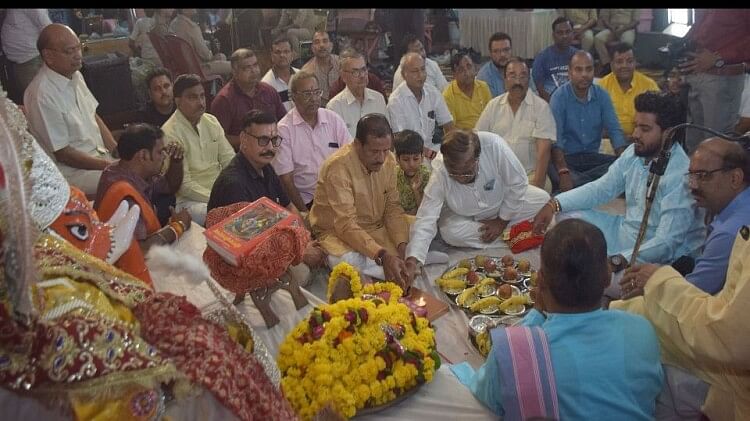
point(356, 214)
point(500, 190)
point(529, 129)
point(705, 334)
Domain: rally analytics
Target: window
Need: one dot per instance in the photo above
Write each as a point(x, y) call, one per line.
point(681, 16)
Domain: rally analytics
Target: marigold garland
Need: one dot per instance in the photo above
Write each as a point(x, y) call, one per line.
point(356, 353)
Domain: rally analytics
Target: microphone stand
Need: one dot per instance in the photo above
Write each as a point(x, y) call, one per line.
point(659, 166)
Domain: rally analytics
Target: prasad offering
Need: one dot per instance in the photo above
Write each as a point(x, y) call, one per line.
point(357, 353)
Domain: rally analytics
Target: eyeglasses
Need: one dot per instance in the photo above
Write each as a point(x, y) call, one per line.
point(357, 72)
point(467, 175)
point(265, 140)
point(308, 95)
point(701, 176)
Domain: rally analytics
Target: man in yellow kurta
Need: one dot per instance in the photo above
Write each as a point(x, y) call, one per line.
point(707, 335)
point(624, 84)
point(466, 96)
point(356, 213)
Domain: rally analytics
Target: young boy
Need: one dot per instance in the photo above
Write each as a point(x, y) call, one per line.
point(411, 176)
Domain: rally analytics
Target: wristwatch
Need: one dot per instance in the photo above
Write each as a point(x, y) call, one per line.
point(617, 262)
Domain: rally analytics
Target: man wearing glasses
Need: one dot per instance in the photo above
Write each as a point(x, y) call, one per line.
point(718, 178)
point(356, 100)
point(485, 189)
point(675, 226)
point(62, 111)
point(310, 134)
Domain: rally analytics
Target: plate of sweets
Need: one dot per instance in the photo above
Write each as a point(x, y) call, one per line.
point(480, 326)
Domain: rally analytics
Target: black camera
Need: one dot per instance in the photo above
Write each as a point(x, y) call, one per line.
point(676, 51)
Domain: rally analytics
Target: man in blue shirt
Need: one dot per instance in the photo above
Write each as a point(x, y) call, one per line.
point(719, 177)
point(493, 71)
point(550, 69)
point(675, 227)
point(605, 362)
point(582, 110)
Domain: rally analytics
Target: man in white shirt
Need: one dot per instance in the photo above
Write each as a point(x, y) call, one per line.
point(485, 189)
point(524, 120)
point(62, 111)
point(416, 105)
point(21, 29)
point(434, 74)
point(356, 100)
point(281, 70)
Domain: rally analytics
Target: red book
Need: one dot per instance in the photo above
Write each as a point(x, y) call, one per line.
point(239, 233)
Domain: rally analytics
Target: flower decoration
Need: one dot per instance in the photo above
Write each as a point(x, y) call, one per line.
point(356, 353)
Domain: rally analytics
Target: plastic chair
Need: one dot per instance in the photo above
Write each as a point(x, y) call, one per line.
point(185, 61)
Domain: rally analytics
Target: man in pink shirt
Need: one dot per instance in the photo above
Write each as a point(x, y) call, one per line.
point(310, 134)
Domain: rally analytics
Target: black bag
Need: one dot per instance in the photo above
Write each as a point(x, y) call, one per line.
point(108, 78)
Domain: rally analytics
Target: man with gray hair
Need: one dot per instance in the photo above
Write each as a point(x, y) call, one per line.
point(310, 134)
point(356, 100)
point(418, 106)
point(243, 93)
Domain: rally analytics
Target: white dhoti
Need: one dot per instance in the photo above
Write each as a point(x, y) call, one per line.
point(463, 231)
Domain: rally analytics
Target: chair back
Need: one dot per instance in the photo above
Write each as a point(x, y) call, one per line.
point(162, 49)
point(186, 61)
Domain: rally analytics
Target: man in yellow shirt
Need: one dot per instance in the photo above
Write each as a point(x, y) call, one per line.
point(704, 334)
point(466, 96)
point(624, 84)
point(207, 149)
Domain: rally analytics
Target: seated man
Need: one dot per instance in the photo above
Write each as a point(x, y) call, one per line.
point(297, 25)
point(435, 76)
point(243, 93)
point(356, 215)
point(310, 135)
point(604, 364)
point(484, 189)
point(493, 71)
point(136, 178)
point(675, 227)
point(619, 26)
point(161, 98)
point(583, 22)
point(523, 120)
point(373, 82)
point(356, 100)
point(624, 84)
point(411, 175)
point(281, 70)
point(465, 96)
point(551, 64)
point(418, 106)
point(207, 150)
point(324, 65)
point(703, 337)
point(582, 111)
point(719, 178)
point(62, 111)
point(184, 27)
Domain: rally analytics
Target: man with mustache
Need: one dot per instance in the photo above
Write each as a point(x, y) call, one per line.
point(582, 112)
point(524, 120)
point(207, 150)
point(718, 177)
point(675, 226)
point(161, 105)
point(493, 71)
point(357, 214)
point(62, 111)
point(324, 65)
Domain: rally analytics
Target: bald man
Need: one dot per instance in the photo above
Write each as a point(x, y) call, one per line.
point(718, 177)
point(418, 106)
point(61, 111)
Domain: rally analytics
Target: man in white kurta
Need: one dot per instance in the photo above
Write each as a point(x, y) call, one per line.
point(499, 196)
point(525, 121)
